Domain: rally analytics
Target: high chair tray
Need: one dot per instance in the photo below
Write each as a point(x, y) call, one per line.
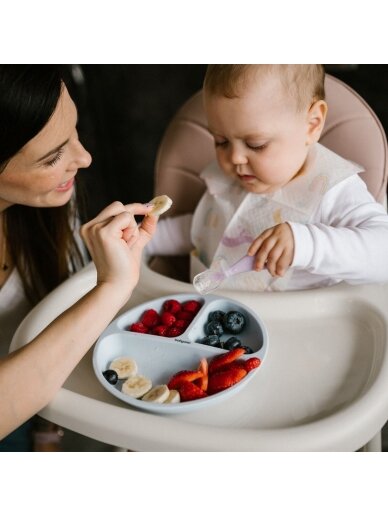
point(322, 387)
point(159, 357)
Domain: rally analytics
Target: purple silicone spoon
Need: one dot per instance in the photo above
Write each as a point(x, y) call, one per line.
point(211, 279)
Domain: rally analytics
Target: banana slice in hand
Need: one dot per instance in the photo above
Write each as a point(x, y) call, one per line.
point(173, 397)
point(124, 366)
point(158, 394)
point(161, 204)
point(136, 386)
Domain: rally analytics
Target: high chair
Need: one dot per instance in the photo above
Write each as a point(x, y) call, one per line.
point(323, 385)
point(352, 130)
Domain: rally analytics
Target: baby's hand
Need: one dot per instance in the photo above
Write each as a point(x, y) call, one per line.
point(274, 249)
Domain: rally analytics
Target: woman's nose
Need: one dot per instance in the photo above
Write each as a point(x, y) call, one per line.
point(84, 158)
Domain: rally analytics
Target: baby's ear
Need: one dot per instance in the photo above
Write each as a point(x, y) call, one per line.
point(316, 120)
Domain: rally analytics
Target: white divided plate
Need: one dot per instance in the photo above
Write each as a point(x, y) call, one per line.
point(158, 358)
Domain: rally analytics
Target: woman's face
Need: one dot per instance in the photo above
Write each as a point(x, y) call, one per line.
point(42, 173)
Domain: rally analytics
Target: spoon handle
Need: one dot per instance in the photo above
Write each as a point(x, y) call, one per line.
point(241, 266)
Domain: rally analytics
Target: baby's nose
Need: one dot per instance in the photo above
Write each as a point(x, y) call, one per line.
point(237, 156)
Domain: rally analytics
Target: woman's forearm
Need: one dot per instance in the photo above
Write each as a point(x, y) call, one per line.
point(32, 375)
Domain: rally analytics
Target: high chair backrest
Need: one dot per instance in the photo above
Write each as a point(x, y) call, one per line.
point(352, 130)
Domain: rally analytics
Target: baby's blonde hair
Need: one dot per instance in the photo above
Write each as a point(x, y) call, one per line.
point(305, 83)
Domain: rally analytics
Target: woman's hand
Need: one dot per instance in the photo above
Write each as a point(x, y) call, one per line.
point(116, 241)
point(274, 249)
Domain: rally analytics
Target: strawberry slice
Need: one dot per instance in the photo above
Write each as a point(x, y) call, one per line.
point(183, 376)
point(221, 360)
point(202, 382)
point(251, 364)
point(189, 391)
point(219, 381)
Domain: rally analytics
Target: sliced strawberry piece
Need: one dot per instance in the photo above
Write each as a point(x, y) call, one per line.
point(223, 359)
point(251, 364)
point(138, 327)
point(202, 382)
point(150, 318)
point(219, 381)
point(191, 306)
point(171, 306)
point(189, 391)
point(183, 376)
point(168, 319)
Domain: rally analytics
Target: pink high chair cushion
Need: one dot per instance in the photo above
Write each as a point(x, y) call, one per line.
point(352, 130)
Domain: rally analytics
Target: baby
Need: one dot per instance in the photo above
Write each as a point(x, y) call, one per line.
point(275, 192)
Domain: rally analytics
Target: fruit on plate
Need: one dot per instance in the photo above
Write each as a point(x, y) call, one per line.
point(157, 394)
point(173, 397)
point(171, 321)
point(190, 391)
point(111, 376)
point(183, 376)
point(223, 359)
point(220, 380)
point(136, 386)
point(234, 322)
point(161, 204)
point(124, 366)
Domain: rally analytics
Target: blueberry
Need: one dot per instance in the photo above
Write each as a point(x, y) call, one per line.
point(216, 316)
point(232, 343)
point(248, 349)
point(111, 376)
point(212, 340)
point(214, 327)
point(234, 322)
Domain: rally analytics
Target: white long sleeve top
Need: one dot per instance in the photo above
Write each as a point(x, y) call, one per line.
point(346, 239)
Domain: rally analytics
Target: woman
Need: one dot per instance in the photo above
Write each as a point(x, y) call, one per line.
point(40, 155)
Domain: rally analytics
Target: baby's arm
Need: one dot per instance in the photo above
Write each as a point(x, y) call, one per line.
point(350, 240)
point(172, 236)
point(274, 249)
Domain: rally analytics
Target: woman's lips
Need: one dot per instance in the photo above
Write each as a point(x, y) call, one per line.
point(67, 185)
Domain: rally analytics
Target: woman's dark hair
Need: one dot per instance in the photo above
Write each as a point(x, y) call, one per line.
point(40, 240)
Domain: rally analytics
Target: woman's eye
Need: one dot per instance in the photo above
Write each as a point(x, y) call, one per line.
point(56, 158)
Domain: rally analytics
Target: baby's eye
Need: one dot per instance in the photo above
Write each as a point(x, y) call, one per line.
point(257, 147)
point(222, 143)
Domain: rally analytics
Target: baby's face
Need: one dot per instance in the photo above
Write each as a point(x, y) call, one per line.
point(260, 137)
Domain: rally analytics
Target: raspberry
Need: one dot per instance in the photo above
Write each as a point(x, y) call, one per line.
point(184, 315)
point(191, 306)
point(181, 324)
point(138, 327)
point(173, 331)
point(168, 319)
point(171, 306)
point(150, 318)
point(159, 330)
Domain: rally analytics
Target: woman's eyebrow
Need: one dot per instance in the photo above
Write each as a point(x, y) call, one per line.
point(55, 150)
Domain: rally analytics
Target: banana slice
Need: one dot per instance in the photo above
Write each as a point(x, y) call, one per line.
point(161, 204)
point(157, 394)
point(136, 386)
point(173, 397)
point(124, 366)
